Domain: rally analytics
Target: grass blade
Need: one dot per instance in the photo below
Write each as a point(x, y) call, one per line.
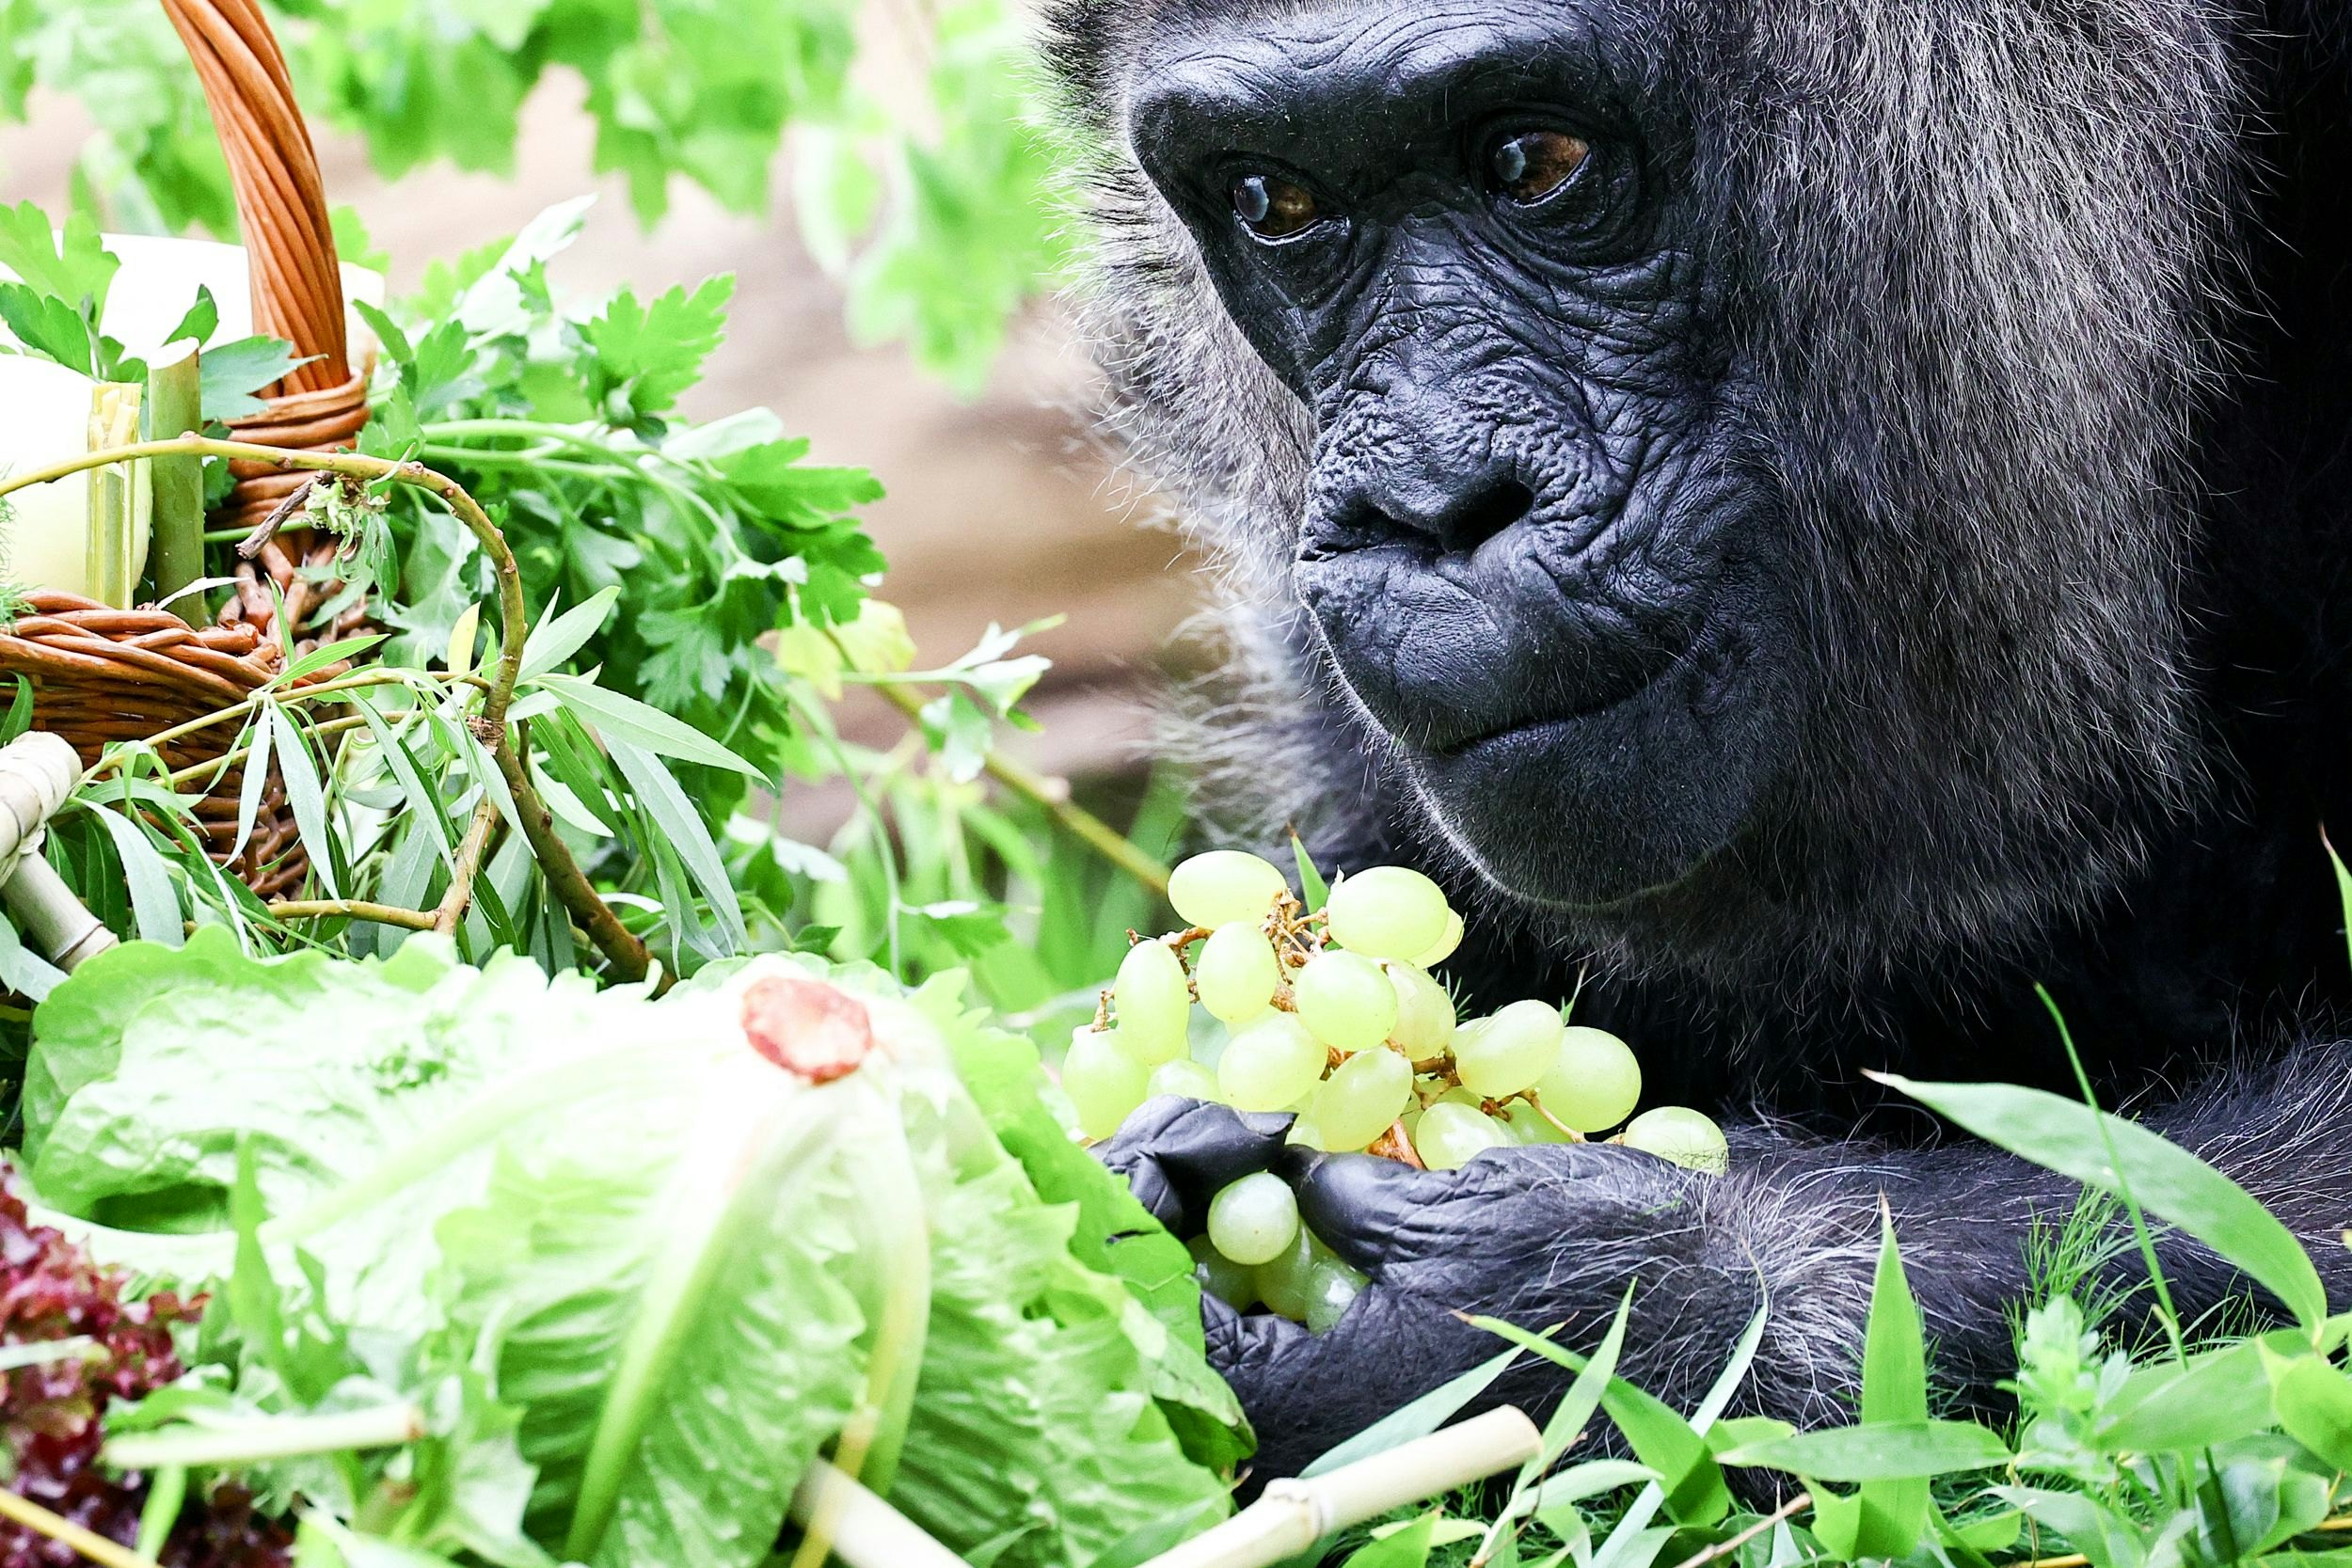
point(1886, 1451)
point(1418, 1419)
point(2176, 1186)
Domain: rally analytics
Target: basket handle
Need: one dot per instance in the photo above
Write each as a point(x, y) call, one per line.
point(290, 243)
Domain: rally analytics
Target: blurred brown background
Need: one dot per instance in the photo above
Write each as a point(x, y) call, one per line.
point(999, 508)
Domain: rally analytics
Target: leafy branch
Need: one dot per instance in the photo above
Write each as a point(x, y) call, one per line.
point(622, 947)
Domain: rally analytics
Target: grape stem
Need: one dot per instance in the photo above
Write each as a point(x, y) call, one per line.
point(1536, 1104)
point(1395, 1145)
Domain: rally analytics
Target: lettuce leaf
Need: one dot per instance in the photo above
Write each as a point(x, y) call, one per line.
point(692, 1269)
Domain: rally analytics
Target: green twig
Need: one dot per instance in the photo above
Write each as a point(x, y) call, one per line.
point(570, 885)
point(1052, 796)
point(350, 908)
point(470, 854)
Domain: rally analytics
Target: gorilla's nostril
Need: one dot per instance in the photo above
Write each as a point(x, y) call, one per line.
point(1482, 514)
point(1445, 523)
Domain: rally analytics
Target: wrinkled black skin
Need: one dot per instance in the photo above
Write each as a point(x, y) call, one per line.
point(1547, 570)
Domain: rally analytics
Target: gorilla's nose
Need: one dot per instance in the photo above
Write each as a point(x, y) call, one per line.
point(1434, 506)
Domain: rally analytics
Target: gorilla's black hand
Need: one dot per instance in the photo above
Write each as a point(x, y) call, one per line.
point(1551, 1238)
point(1538, 1236)
point(1176, 1153)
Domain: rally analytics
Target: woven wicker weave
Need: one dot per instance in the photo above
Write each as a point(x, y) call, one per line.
point(101, 674)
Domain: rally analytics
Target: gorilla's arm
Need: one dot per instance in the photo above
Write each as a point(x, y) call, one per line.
point(1551, 1235)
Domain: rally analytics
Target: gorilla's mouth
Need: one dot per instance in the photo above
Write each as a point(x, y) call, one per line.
point(1591, 806)
point(1626, 686)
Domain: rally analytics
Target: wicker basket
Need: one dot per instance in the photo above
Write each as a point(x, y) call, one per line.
point(102, 675)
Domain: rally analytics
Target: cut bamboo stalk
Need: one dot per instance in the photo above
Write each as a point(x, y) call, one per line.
point(1292, 1516)
point(117, 498)
point(866, 1533)
point(37, 771)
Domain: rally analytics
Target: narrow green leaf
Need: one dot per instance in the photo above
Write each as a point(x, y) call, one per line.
point(1634, 1542)
point(1565, 1427)
point(1886, 1451)
point(2314, 1402)
point(676, 815)
point(2169, 1182)
point(1994, 1533)
point(324, 654)
point(2343, 885)
point(256, 741)
point(154, 902)
point(309, 802)
point(2180, 1406)
point(424, 801)
point(616, 718)
point(559, 638)
point(1405, 1548)
point(1312, 886)
point(23, 970)
point(1416, 1419)
point(1695, 1493)
point(1893, 1514)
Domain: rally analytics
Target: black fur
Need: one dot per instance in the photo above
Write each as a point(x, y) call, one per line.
point(2025, 331)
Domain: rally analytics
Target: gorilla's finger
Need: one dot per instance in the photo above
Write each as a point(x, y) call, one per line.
point(1358, 1205)
point(1176, 1153)
point(1247, 1348)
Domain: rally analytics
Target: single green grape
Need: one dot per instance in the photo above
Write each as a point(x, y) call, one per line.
point(1345, 999)
point(1594, 1082)
point(1424, 1013)
point(1282, 1280)
point(1269, 1065)
point(1224, 886)
point(1236, 972)
point(1155, 1003)
point(1442, 949)
point(1508, 1050)
point(1254, 1219)
point(1332, 1288)
point(1388, 912)
point(1676, 1132)
point(1362, 1098)
point(1218, 1275)
point(1528, 1126)
point(1183, 1076)
point(1450, 1134)
point(1104, 1083)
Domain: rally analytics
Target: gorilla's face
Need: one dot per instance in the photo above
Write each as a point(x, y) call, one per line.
point(1726, 464)
point(1531, 546)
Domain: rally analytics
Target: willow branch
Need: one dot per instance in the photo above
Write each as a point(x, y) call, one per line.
point(115, 756)
point(1052, 796)
point(570, 885)
point(563, 872)
point(350, 908)
point(468, 866)
point(221, 764)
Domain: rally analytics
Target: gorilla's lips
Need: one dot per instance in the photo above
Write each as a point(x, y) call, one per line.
point(1575, 755)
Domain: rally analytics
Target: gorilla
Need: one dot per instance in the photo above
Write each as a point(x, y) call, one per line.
point(1811, 516)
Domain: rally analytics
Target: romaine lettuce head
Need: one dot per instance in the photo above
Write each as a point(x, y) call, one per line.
point(705, 1237)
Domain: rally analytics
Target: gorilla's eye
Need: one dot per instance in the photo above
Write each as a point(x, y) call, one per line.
point(1531, 164)
point(1273, 208)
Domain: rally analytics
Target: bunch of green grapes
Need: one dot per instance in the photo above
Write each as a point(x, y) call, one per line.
point(1333, 1015)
